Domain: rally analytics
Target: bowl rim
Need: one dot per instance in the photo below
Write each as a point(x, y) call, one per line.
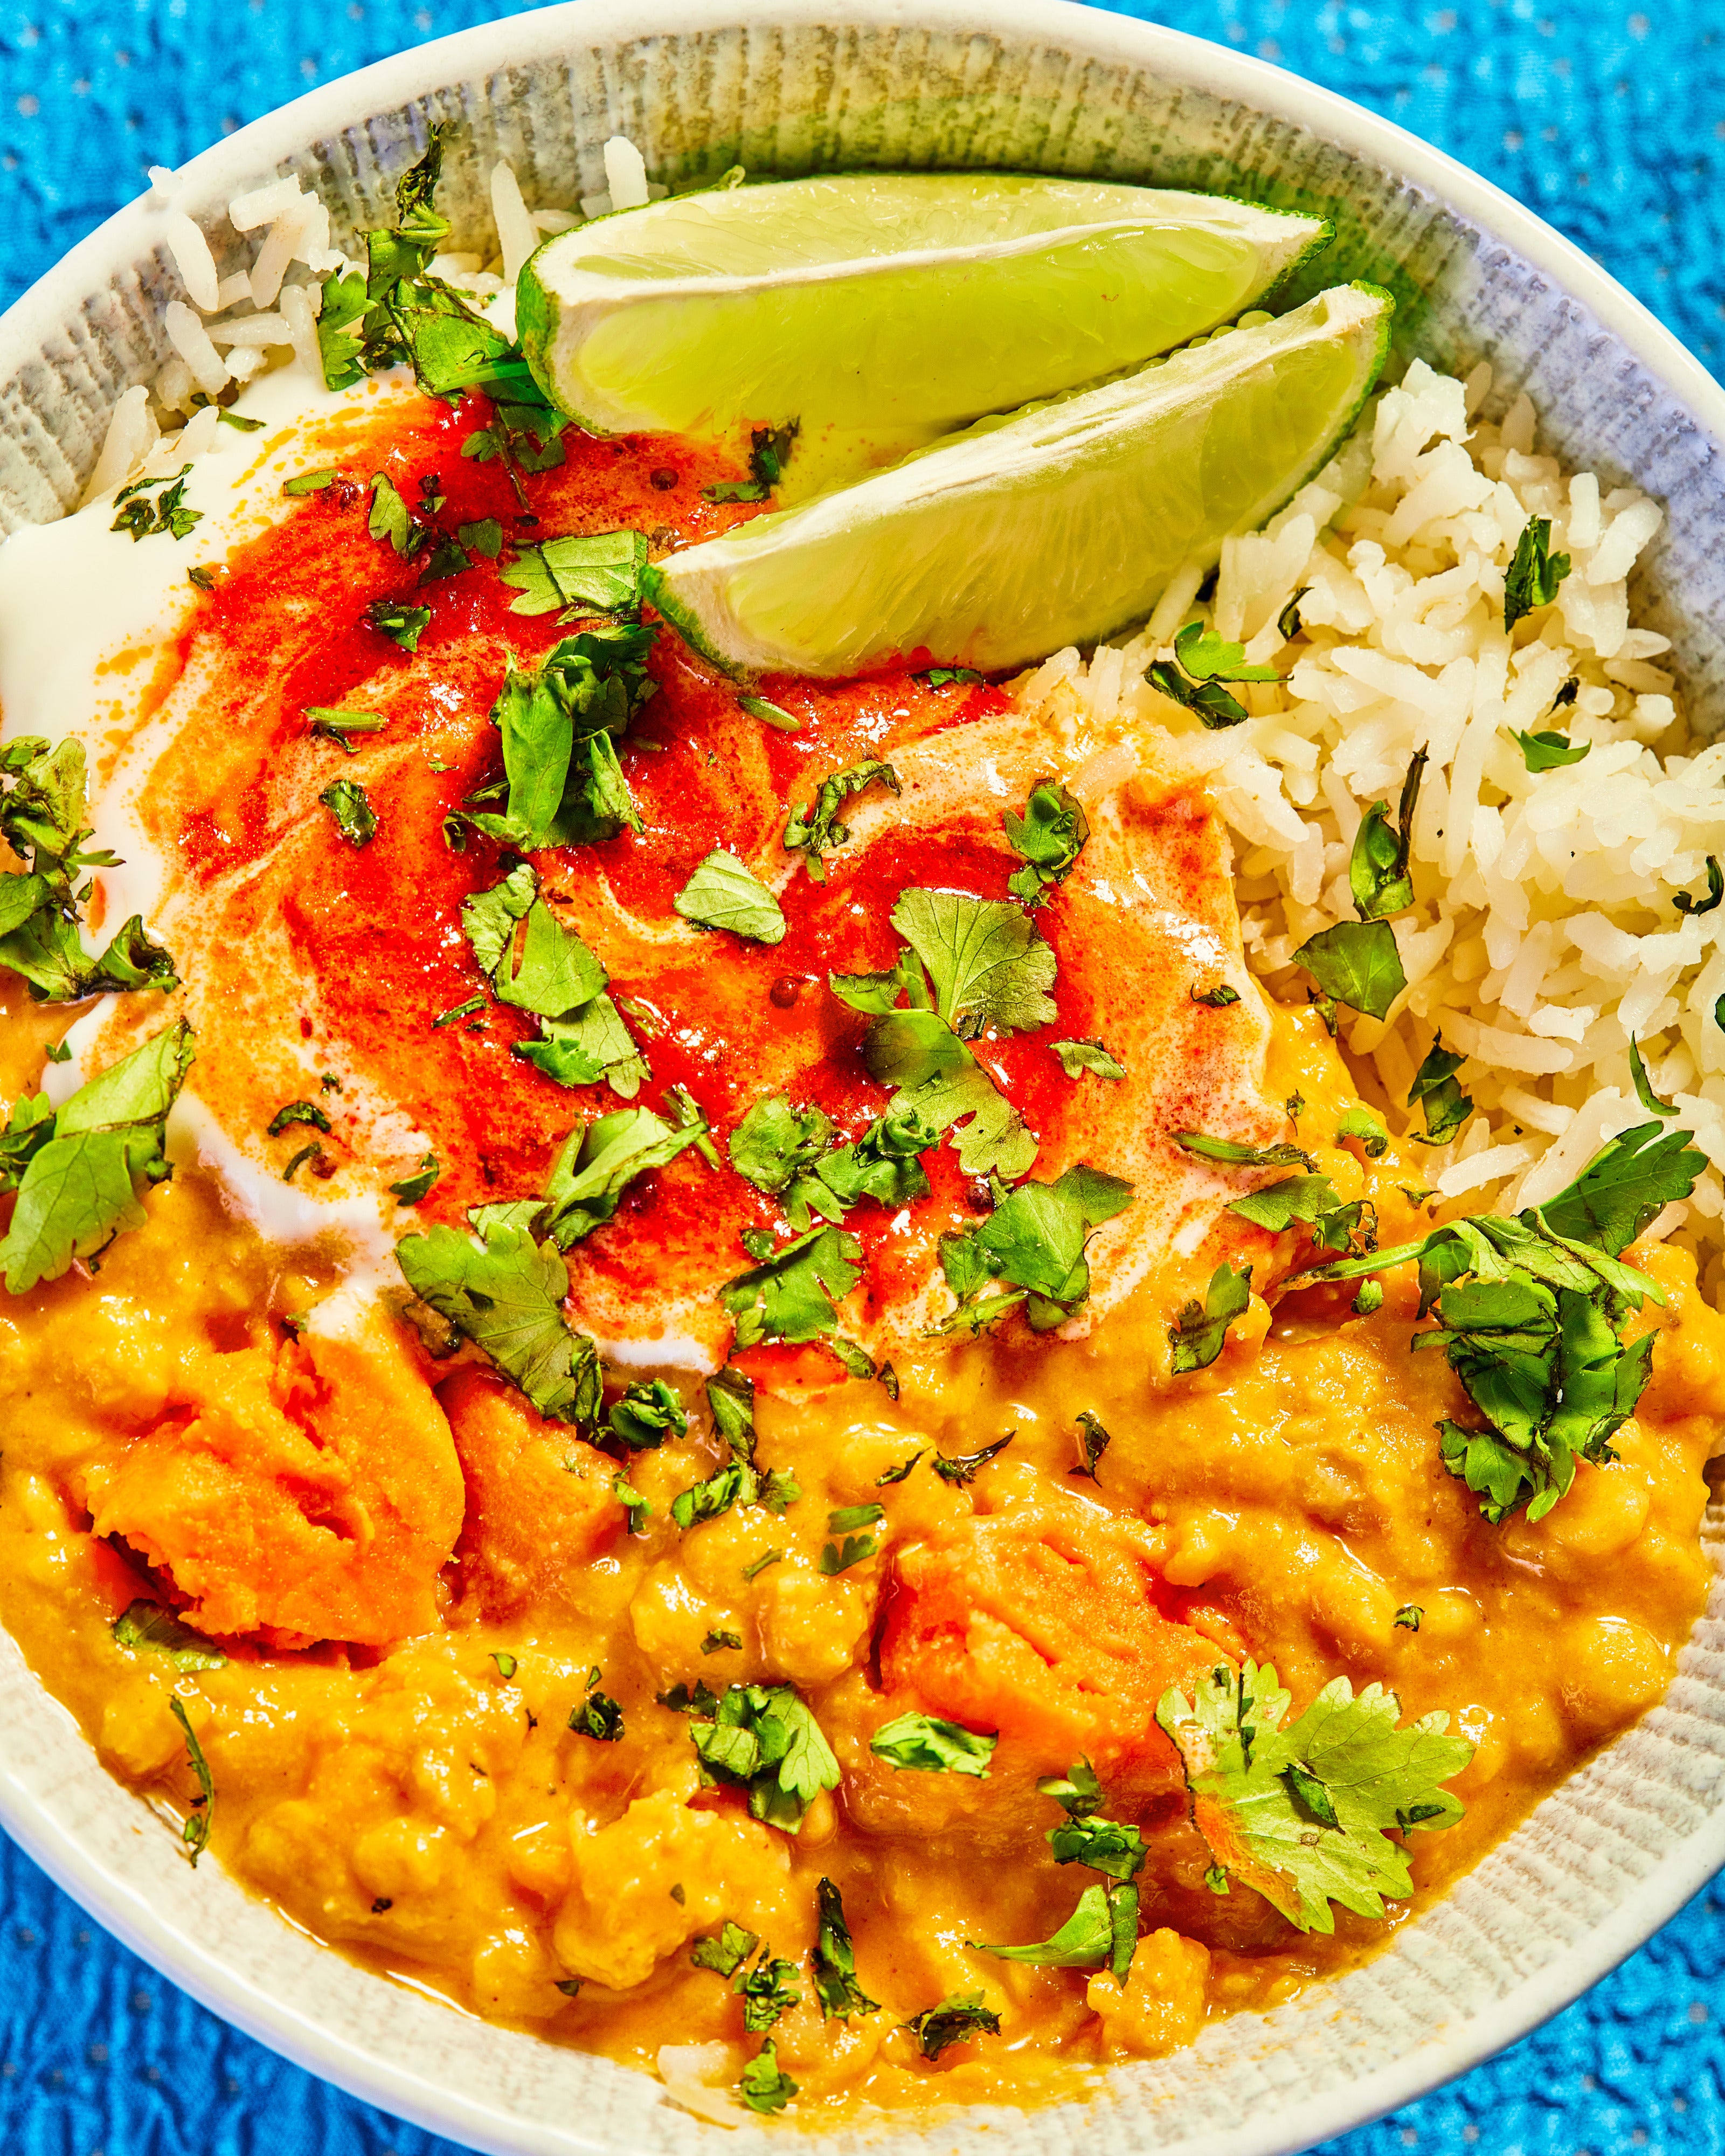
point(202, 185)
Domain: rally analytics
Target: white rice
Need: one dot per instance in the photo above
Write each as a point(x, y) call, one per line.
point(1544, 934)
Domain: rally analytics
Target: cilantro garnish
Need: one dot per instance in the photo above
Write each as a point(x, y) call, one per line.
point(1034, 1242)
point(791, 1292)
point(719, 1642)
point(356, 818)
point(1715, 893)
point(1222, 997)
point(312, 1151)
point(1377, 873)
point(636, 1509)
point(763, 1739)
point(988, 968)
point(737, 1484)
point(940, 677)
point(594, 1165)
point(726, 1954)
point(336, 725)
point(1279, 1205)
point(770, 714)
point(598, 1715)
point(1078, 1056)
point(1531, 1313)
point(42, 809)
point(961, 2016)
point(311, 482)
point(1093, 1441)
point(1049, 836)
point(1234, 1153)
point(1357, 963)
point(648, 1414)
point(1103, 1927)
point(723, 894)
point(1196, 1334)
point(925, 1745)
point(413, 1187)
point(1302, 1814)
point(832, 1963)
point(1407, 1617)
point(537, 964)
point(457, 1011)
point(1287, 622)
point(1549, 751)
point(1534, 573)
point(507, 1664)
point(1110, 1846)
point(1446, 1106)
point(584, 572)
point(483, 536)
point(1194, 677)
point(762, 2086)
point(769, 1556)
point(783, 1149)
point(402, 624)
point(959, 1468)
point(834, 1560)
point(769, 451)
point(144, 518)
point(146, 1624)
point(767, 1991)
point(195, 1833)
point(297, 1111)
point(507, 1298)
point(816, 831)
point(76, 1169)
point(1367, 1129)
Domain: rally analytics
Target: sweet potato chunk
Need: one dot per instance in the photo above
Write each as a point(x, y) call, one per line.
point(312, 1493)
point(1041, 1624)
point(539, 1501)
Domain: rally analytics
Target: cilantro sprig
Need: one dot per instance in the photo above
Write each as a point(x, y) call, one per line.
point(1302, 1811)
point(1049, 836)
point(1033, 1243)
point(1202, 662)
point(764, 1739)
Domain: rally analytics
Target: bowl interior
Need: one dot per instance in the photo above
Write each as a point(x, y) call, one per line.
point(1040, 86)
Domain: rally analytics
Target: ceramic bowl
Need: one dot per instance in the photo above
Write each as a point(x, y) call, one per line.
point(1024, 84)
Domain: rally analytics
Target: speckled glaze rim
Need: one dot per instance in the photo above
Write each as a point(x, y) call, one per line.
point(1649, 1811)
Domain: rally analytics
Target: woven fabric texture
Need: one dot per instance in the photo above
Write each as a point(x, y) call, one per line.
point(1607, 121)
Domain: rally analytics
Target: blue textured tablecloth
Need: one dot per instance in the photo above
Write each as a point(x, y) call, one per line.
point(1607, 120)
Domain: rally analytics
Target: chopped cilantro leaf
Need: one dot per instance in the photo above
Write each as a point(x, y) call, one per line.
point(1093, 1441)
point(1549, 751)
point(1446, 1106)
point(1357, 963)
point(507, 1298)
point(195, 1833)
point(1715, 893)
point(1033, 1241)
point(1196, 1334)
point(1534, 573)
point(402, 624)
point(792, 1295)
point(719, 1642)
point(727, 1953)
point(1624, 1186)
point(1078, 1056)
point(586, 573)
point(986, 963)
point(1279, 1205)
point(959, 2017)
point(1302, 1812)
point(1643, 1084)
point(507, 1664)
point(1377, 872)
point(849, 1517)
point(485, 536)
point(1407, 1617)
point(1234, 1153)
point(1201, 661)
point(774, 1140)
point(312, 1151)
point(942, 677)
point(959, 1468)
point(730, 1401)
point(390, 520)
point(648, 1414)
point(816, 831)
point(594, 1165)
point(1104, 1928)
point(1222, 997)
point(413, 1187)
point(834, 1560)
point(311, 482)
point(1287, 622)
point(767, 1991)
point(356, 820)
point(146, 1624)
point(763, 1739)
point(598, 1716)
point(832, 1963)
point(762, 2086)
point(769, 1556)
point(144, 518)
point(902, 1473)
point(336, 725)
point(77, 1179)
point(925, 1745)
point(723, 894)
point(1049, 836)
point(297, 1111)
point(457, 1011)
point(1365, 1129)
point(770, 714)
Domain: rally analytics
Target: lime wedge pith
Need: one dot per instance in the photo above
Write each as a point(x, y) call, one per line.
point(1057, 526)
point(905, 303)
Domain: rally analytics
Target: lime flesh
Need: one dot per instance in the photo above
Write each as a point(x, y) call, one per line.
point(1056, 525)
point(892, 304)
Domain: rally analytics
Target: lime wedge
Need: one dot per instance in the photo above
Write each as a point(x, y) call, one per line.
point(894, 304)
point(1054, 525)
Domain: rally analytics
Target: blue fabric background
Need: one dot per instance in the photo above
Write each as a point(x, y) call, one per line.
point(1610, 123)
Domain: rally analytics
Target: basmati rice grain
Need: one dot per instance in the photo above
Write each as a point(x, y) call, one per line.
point(193, 261)
point(517, 235)
point(124, 445)
point(625, 174)
point(187, 336)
